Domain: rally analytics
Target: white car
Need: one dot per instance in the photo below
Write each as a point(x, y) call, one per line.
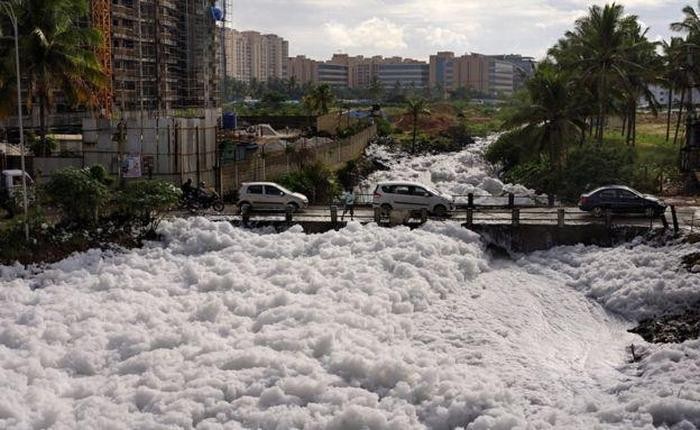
point(411, 196)
point(269, 196)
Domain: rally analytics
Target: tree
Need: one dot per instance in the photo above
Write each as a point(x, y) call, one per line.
point(549, 118)
point(689, 49)
point(58, 54)
point(675, 74)
point(319, 99)
point(416, 108)
point(598, 49)
point(375, 89)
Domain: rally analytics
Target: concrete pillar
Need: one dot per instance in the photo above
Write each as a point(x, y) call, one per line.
point(377, 215)
point(511, 200)
point(516, 217)
point(423, 216)
point(470, 217)
point(561, 213)
point(608, 218)
point(245, 214)
point(470, 200)
point(288, 215)
point(334, 214)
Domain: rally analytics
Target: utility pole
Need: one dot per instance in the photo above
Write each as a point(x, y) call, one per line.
point(7, 6)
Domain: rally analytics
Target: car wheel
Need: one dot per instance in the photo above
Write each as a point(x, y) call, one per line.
point(218, 206)
point(598, 212)
point(292, 207)
point(246, 207)
point(386, 209)
point(440, 211)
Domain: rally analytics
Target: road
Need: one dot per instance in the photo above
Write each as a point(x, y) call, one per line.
point(688, 217)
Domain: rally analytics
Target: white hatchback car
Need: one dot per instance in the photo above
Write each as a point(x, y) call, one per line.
point(269, 196)
point(411, 196)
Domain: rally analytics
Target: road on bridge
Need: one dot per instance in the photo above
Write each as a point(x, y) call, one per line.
point(688, 217)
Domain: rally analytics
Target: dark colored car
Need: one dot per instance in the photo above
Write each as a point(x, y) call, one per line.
point(620, 199)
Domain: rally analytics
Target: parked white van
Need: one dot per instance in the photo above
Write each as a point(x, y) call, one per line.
point(411, 196)
point(269, 196)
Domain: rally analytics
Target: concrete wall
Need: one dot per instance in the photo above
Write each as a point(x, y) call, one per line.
point(262, 166)
point(176, 148)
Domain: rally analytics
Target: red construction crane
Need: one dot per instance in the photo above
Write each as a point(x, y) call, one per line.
point(102, 20)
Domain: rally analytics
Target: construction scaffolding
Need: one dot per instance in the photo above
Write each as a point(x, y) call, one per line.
point(101, 16)
point(166, 55)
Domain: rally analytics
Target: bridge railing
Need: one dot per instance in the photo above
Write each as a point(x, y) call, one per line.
point(465, 200)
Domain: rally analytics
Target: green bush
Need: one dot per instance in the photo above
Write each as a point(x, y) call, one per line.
point(507, 151)
point(316, 181)
point(536, 174)
point(144, 202)
point(77, 194)
point(591, 166)
point(383, 127)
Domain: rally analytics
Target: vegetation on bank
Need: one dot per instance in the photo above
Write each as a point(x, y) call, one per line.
point(79, 209)
point(577, 124)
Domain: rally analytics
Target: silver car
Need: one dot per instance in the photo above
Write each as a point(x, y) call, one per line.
point(411, 196)
point(269, 196)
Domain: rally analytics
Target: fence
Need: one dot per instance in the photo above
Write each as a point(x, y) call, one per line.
point(264, 166)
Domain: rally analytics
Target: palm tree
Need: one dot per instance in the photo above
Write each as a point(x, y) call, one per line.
point(58, 54)
point(550, 118)
point(416, 108)
point(322, 99)
point(691, 27)
point(598, 48)
point(676, 70)
point(643, 67)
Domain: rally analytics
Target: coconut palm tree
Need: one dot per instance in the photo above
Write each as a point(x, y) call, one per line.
point(57, 54)
point(416, 108)
point(320, 99)
point(675, 74)
point(598, 48)
point(643, 67)
point(550, 118)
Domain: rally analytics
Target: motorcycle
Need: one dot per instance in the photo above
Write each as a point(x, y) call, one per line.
point(203, 200)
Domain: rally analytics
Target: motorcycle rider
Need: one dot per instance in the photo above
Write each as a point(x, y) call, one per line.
point(187, 189)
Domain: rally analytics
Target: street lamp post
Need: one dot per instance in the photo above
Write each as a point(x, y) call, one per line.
point(13, 18)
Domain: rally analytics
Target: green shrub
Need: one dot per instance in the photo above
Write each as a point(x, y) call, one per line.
point(383, 127)
point(536, 174)
point(591, 166)
point(316, 181)
point(77, 194)
point(144, 202)
point(507, 151)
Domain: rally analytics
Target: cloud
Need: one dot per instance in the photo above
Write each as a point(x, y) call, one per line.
point(442, 37)
point(414, 28)
point(377, 33)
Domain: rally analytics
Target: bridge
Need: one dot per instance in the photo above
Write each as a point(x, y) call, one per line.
point(514, 224)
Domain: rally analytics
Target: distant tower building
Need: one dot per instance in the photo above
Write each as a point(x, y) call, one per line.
point(251, 55)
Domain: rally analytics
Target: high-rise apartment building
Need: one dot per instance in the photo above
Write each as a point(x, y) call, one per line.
point(302, 69)
point(165, 54)
point(251, 55)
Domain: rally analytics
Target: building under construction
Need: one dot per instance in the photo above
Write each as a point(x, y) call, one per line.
point(162, 55)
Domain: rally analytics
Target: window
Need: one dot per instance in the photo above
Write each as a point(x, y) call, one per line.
point(273, 191)
point(418, 191)
point(626, 195)
point(388, 189)
point(255, 189)
point(607, 194)
point(402, 189)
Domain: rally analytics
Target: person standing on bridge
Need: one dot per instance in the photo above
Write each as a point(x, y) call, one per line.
point(349, 204)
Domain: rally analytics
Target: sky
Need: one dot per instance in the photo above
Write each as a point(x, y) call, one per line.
point(418, 28)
